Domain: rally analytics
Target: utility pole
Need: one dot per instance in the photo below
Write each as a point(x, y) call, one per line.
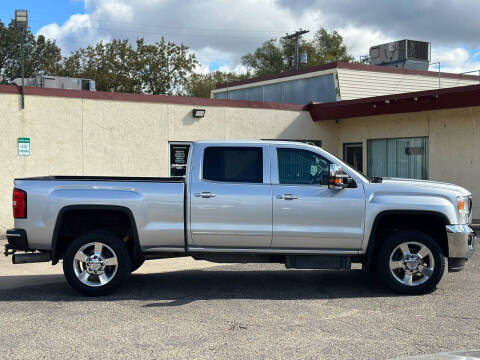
point(296, 36)
point(21, 24)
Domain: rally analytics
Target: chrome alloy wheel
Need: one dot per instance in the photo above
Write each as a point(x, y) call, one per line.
point(411, 263)
point(95, 264)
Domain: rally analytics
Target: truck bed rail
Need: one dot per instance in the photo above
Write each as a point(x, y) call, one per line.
point(105, 178)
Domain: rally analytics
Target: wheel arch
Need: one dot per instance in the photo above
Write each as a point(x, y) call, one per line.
point(420, 219)
point(56, 241)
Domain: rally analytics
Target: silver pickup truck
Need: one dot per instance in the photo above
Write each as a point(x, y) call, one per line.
point(242, 202)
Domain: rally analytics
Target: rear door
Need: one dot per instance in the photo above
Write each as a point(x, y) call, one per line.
point(306, 213)
point(230, 197)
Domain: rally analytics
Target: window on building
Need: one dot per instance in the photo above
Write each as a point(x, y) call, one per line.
point(297, 166)
point(178, 158)
point(233, 164)
point(401, 157)
point(353, 155)
point(294, 91)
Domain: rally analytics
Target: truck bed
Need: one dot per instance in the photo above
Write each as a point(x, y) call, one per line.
point(155, 203)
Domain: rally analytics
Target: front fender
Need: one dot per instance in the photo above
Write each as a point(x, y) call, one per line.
point(382, 203)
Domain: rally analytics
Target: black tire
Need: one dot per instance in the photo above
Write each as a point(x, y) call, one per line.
point(117, 278)
point(387, 276)
point(136, 263)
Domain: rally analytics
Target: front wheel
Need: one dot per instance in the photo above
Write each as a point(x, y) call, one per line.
point(96, 263)
point(410, 262)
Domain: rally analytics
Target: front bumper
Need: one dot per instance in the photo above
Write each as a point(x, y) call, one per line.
point(461, 245)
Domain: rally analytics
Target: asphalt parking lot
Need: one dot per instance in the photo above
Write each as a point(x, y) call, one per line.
point(233, 312)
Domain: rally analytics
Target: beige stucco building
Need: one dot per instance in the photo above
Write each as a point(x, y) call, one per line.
point(93, 133)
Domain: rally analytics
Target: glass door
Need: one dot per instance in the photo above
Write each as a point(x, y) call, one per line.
point(353, 155)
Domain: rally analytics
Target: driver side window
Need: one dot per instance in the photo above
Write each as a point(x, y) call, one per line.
point(297, 166)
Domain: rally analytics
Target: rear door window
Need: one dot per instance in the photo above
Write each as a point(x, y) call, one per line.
point(233, 164)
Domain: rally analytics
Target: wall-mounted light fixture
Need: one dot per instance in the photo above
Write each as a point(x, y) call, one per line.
point(198, 113)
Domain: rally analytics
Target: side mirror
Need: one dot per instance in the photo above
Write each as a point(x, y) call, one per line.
point(337, 178)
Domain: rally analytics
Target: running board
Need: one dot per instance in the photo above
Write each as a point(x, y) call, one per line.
point(31, 258)
point(317, 262)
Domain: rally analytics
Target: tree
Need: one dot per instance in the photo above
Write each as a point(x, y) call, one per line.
point(201, 85)
point(329, 47)
point(111, 64)
point(40, 55)
point(159, 68)
point(326, 47)
point(164, 67)
point(267, 59)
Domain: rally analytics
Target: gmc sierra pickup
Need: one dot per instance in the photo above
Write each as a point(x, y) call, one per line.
point(242, 202)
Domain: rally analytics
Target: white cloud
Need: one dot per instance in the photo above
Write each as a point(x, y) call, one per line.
point(77, 31)
point(454, 60)
point(216, 30)
point(236, 69)
point(219, 32)
point(360, 39)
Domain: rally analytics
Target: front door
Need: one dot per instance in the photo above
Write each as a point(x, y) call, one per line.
point(231, 201)
point(306, 213)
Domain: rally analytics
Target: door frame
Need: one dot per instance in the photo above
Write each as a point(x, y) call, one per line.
point(344, 148)
point(169, 153)
point(276, 183)
point(195, 179)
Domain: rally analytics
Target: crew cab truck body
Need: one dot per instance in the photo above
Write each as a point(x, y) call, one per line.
point(240, 202)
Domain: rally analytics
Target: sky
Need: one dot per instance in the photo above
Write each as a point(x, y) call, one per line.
point(219, 32)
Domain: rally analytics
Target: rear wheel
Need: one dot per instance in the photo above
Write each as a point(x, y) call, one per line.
point(410, 262)
point(96, 263)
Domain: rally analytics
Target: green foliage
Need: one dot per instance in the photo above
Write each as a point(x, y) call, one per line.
point(267, 59)
point(329, 47)
point(326, 47)
point(40, 54)
point(164, 67)
point(160, 68)
point(108, 63)
point(200, 85)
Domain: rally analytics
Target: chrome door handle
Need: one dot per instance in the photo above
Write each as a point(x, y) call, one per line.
point(205, 194)
point(287, 197)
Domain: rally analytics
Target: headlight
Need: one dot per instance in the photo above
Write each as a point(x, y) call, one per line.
point(463, 205)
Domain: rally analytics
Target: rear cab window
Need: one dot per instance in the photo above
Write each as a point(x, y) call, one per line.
point(234, 164)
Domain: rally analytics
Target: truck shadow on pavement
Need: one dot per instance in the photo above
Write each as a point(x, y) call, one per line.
point(184, 287)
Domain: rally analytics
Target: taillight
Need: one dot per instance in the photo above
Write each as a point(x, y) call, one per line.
point(19, 204)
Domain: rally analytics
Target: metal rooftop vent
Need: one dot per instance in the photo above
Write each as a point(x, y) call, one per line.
point(406, 54)
point(58, 82)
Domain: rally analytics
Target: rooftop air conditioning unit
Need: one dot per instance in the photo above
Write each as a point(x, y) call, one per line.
point(57, 82)
point(408, 54)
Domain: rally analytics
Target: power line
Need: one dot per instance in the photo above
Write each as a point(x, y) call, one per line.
point(187, 33)
point(159, 26)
